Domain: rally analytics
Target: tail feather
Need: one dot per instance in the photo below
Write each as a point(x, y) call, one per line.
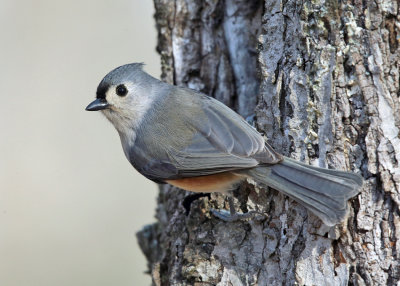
point(324, 192)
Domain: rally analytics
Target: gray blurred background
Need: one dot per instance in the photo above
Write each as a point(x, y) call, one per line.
point(70, 203)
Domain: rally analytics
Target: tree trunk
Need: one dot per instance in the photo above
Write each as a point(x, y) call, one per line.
point(322, 78)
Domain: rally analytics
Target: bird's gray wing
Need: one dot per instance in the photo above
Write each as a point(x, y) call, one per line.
point(230, 133)
point(211, 139)
point(202, 157)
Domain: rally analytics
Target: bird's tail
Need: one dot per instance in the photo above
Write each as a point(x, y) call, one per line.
point(323, 191)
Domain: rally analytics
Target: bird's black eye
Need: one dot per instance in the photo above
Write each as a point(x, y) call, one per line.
point(121, 90)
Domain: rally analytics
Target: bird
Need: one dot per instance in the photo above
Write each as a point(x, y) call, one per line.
point(184, 138)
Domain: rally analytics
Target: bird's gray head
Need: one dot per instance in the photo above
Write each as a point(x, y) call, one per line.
point(124, 96)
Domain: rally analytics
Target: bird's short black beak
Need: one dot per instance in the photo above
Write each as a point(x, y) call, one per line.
point(97, 104)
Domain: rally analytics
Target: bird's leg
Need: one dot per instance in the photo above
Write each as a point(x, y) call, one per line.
point(232, 215)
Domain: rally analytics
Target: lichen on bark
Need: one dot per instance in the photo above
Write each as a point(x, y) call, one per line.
point(322, 78)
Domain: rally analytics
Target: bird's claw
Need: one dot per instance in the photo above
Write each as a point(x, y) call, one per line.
point(229, 217)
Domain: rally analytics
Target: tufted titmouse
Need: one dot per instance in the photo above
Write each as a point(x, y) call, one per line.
point(179, 136)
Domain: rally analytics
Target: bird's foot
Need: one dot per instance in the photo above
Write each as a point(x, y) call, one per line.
point(229, 217)
point(232, 215)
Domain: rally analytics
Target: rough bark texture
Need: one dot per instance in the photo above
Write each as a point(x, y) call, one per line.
point(322, 78)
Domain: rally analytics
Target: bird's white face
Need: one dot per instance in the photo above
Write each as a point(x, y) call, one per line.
point(120, 95)
point(128, 103)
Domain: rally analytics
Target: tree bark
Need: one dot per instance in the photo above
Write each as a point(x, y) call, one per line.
point(322, 79)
